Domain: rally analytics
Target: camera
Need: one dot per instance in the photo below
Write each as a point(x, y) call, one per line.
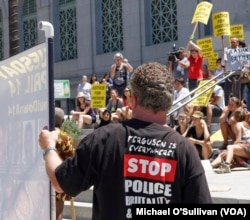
point(174, 54)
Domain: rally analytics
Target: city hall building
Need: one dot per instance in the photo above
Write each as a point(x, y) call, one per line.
point(89, 32)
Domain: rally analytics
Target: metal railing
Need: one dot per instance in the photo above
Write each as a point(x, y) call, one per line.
point(228, 74)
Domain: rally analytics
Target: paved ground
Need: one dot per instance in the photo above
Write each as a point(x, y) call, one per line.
point(229, 187)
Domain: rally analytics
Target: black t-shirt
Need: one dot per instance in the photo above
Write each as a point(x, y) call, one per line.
point(192, 133)
point(120, 78)
point(134, 162)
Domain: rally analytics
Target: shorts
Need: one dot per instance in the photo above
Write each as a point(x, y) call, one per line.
point(217, 111)
point(93, 117)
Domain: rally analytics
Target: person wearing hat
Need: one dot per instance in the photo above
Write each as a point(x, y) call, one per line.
point(179, 65)
point(83, 114)
point(199, 136)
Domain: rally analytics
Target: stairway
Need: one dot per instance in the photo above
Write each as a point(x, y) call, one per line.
point(82, 206)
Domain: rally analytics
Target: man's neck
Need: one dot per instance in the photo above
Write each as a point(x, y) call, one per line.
point(149, 116)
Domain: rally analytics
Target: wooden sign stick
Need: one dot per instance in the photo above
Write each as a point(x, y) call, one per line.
point(72, 208)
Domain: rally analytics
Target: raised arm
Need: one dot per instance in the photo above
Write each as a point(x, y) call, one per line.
point(128, 65)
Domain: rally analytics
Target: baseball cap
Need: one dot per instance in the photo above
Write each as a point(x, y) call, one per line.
point(181, 49)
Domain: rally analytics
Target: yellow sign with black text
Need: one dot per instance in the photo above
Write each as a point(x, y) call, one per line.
point(203, 99)
point(98, 96)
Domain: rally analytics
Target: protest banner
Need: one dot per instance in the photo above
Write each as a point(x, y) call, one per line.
point(221, 24)
point(24, 92)
point(201, 14)
point(212, 61)
point(98, 96)
point(237, 30)
point(203, 99)
point(206, 45)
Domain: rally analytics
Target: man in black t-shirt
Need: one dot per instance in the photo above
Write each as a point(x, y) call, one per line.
point(137, 162)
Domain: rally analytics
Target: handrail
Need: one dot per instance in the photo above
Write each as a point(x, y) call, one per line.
point(193, 91)
point(194, 97)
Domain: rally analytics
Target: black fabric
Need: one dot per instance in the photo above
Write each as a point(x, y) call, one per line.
point(192, 133)
point(134, 162)
point(104, 122)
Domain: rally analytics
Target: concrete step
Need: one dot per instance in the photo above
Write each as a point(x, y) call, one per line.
point(83, 210)
point(82, 206)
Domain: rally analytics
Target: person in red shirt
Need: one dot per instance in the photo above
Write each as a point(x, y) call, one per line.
point(195, 69)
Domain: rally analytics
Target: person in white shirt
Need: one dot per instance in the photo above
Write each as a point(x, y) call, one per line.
point(216, 104)
point(179, 65)
point(233, 83)
point(85, 88)
point(181, 95)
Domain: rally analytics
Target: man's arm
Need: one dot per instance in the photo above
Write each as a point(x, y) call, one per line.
point(224, 115)
point(47, 142)
point(112, 71)
point(128, 66)
point(215, 100)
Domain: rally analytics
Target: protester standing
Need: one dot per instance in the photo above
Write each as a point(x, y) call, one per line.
point(170, 166)
point(195, 69)
point(233, 83)
point(119, 73)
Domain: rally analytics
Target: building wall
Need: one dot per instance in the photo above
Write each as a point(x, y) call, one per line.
point(135, 49)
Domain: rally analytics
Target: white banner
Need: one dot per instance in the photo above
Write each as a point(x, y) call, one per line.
point(24, 185)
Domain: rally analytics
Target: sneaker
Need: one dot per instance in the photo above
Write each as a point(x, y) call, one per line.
point(224, 168)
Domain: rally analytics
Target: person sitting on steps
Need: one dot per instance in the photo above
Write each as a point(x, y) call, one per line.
point(229, 158)
point(228, 122)
point(83, 114)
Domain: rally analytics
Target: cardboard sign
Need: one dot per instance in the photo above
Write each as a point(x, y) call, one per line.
point(212, 61)
point(206, 45)
point(203, 99)
point(237, 30)
point(202, 12)
point(98, 96)
point(221, 24)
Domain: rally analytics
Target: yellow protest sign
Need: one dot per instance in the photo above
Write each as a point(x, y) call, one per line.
point(202, 100)
point(221, 24)
point(237, 30)
point(202, 12)
point(98, 96)
point(212, 61)
point(206, 45)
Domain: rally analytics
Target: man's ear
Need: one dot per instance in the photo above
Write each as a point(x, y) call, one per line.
point(134, 100)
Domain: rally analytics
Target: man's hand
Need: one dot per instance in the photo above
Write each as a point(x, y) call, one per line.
point(48, 138)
